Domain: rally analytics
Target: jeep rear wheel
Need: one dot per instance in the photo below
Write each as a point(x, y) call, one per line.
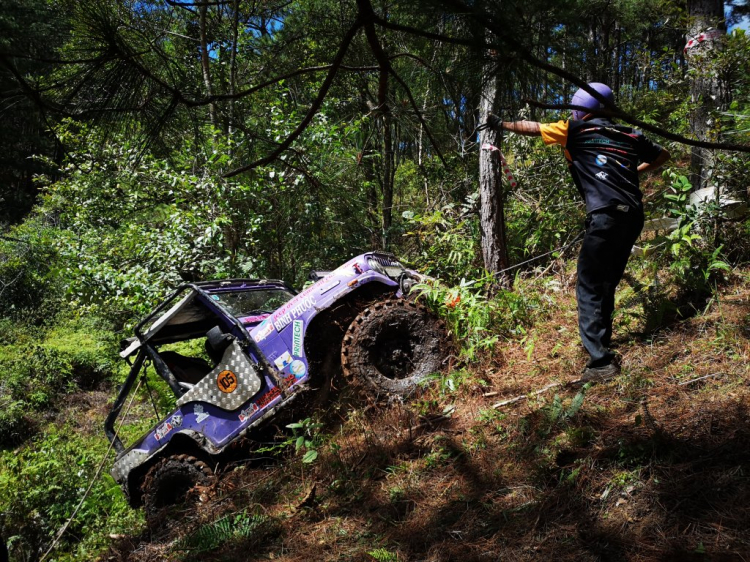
point(393, 345)
point(168, 482)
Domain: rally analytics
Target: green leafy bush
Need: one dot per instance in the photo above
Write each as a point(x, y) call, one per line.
point(41, 367)
point(476, 320)
point(29, 290)
point(42, 483)
point(544, 208)
point(445, 243)
point(694, 250)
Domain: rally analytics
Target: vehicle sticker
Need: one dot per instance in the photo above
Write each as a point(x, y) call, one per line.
point(344, 271)
point(297, 326)
point(163, 430)
point(265, 329)
point(298, 368)
point(200, 415)
point(227, 382)
point(248, 412)
point(275, 392)
point(357, 269)
point(267, 398)
point(215, 297)
point(330, 286)
point(283, 361)
point(284, 316)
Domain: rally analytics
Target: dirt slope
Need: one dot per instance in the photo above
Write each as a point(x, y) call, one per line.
point(651, 466)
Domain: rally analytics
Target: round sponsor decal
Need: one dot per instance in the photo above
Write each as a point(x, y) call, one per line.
point(298, 368)
point(227, 382)
point(601, 159)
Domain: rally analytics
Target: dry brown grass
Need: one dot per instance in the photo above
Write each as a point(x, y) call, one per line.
point(653, 467)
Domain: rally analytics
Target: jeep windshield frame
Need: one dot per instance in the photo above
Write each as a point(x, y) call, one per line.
point(175, 321)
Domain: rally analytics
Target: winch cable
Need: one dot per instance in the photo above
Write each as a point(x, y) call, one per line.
point(98, 473)
point(559, 250)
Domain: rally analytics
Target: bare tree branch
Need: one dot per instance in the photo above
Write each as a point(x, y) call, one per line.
point(486, 20)
point(322, 92)
point(386, 68)
point(619, 114)
point(419, 114)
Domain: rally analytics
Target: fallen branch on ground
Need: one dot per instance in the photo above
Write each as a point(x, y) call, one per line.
point(535, 393)
point(701, 378)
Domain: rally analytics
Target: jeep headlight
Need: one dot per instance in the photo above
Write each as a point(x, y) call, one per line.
point(407, 281)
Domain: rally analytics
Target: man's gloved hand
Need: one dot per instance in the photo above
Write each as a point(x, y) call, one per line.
point(494, 122)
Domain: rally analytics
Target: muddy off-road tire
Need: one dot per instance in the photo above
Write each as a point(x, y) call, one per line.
point(393, 345)
point(168, 482)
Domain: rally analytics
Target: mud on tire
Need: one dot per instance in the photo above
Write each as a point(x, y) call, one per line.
point(168, 482)
point(394, 344)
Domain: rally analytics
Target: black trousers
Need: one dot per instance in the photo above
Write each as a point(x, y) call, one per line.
point(610, 235)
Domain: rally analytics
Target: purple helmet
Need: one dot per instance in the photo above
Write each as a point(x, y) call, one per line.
point(583, 98)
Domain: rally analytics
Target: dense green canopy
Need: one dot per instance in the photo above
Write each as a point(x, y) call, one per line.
point(146, 143)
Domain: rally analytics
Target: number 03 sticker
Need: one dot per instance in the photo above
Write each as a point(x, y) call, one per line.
point(227, 381)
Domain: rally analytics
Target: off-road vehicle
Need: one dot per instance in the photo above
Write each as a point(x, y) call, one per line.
point(259, 348)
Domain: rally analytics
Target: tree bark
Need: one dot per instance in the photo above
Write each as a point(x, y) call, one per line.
point(492, 218)
point(205, 60)
point(383, 113)
point(233, 71)
point(704, 39)
point(389, 172)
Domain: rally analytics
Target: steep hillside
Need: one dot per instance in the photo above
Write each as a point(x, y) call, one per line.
point(650, 466)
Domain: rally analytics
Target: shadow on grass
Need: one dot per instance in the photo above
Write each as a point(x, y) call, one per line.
point(676, 491)
point(591, 487)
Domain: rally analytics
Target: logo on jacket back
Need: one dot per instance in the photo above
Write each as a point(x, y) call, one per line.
point(601, 160)
point(602, 175)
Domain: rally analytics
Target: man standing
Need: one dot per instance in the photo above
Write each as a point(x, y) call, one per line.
point(604, 159)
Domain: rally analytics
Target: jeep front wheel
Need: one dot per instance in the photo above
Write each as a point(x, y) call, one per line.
point(168, 482)
point(393, 345)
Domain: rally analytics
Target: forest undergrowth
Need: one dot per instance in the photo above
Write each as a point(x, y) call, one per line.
point(151, 144)
point(498, 457)
point(649, 466)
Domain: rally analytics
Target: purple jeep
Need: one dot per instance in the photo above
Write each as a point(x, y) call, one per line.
point(258, 346)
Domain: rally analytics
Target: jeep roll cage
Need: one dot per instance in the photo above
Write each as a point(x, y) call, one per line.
point(172, 321)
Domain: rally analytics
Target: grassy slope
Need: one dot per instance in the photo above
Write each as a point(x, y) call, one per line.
point(651, 466)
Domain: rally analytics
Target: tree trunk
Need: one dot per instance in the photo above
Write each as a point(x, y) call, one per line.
point(389, 169)
point(617, 62)
point(705, 32)
point(233, 71)
point(492, 218)
point(205, 60)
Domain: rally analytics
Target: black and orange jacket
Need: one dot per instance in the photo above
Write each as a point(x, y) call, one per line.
point(603, 159)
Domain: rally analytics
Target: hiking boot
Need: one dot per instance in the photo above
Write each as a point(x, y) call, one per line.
point(600, 374)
